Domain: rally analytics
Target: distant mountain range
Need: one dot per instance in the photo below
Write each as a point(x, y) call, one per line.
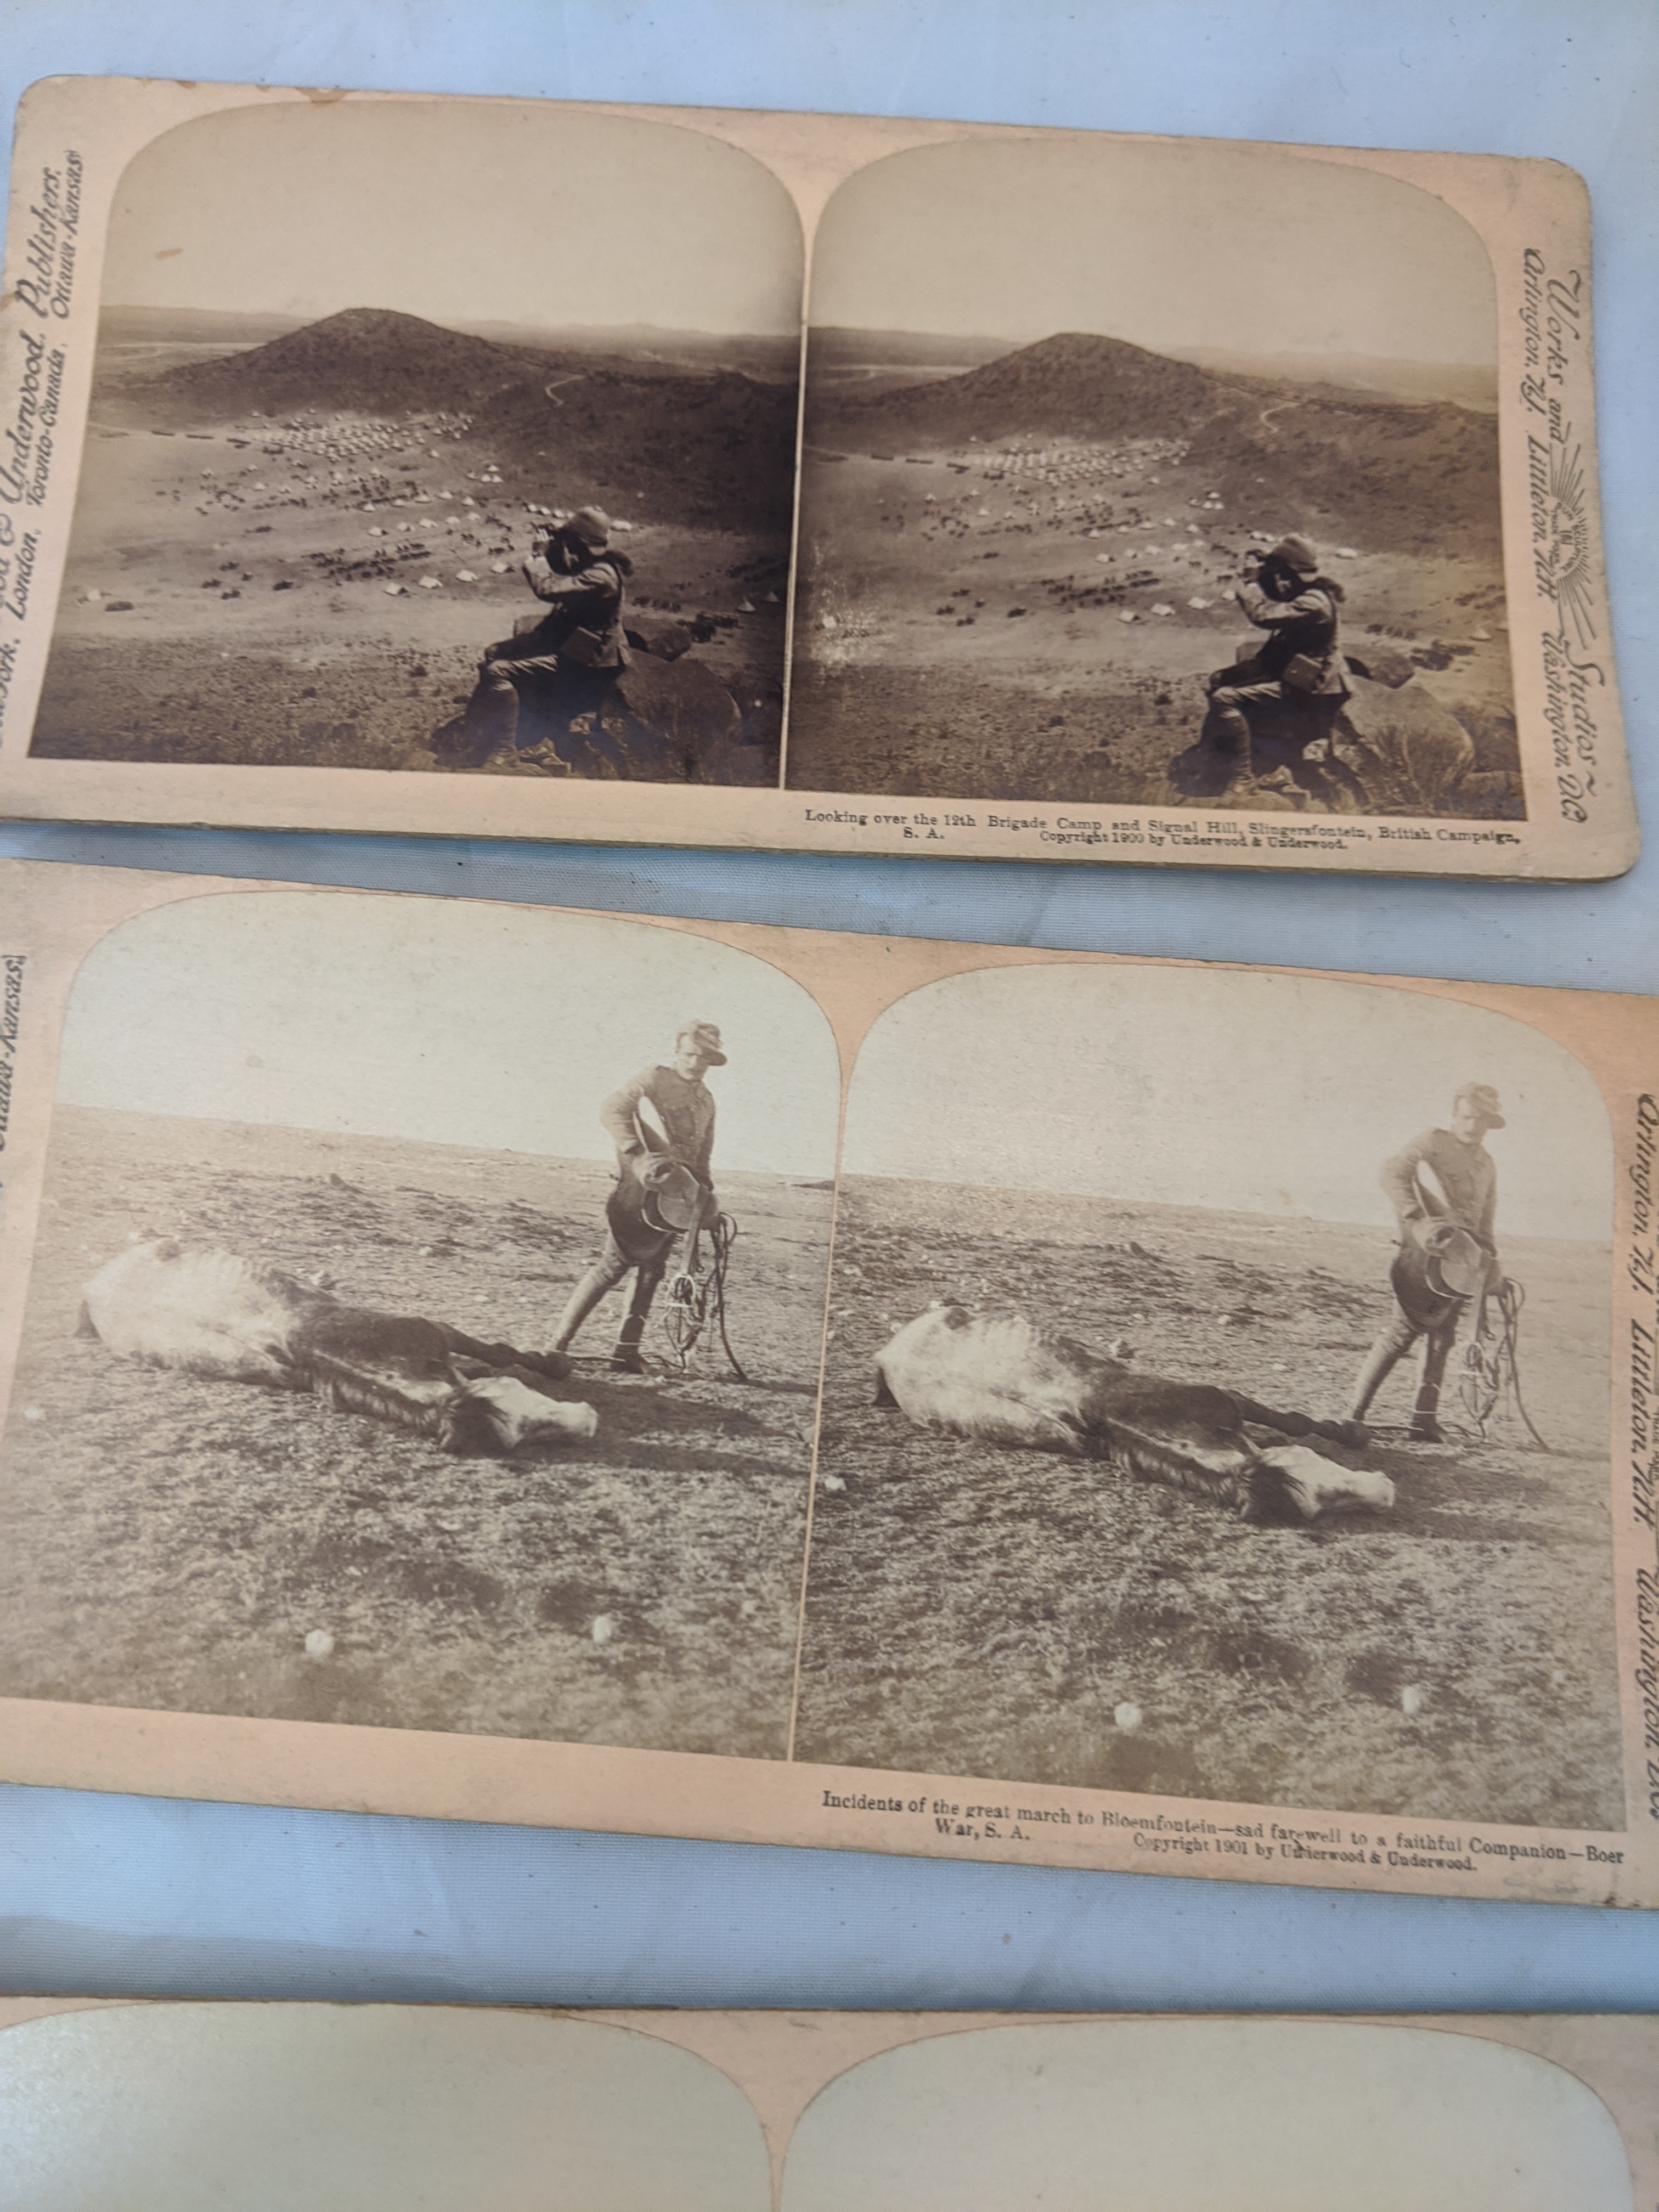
point(190, 326)
point(776, 358)
point(1458, 382)
point(834, 344)
point(1391, 474)
point(773, 357)
point(705, 446)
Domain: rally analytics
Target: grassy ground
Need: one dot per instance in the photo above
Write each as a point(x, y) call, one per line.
point(169, 1542)
point(984, 1612)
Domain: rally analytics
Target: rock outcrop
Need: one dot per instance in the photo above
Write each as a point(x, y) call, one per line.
point(1393, 748)
point(1382, 664)
point(660, 636)
point(664, 720)
point(1407, 753)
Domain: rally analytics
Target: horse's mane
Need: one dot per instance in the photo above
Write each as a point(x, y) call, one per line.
point(348, 1390)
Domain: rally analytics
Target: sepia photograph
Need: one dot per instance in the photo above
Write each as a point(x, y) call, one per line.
point(1151, 474)
point(424, 1326)
point(1184, 503)
point(445, 435)
point(1146, 1387)
point(1217, 1402)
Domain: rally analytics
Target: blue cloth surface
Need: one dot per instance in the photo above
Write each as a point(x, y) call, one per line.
point(113, 1895)
point(110, 1894)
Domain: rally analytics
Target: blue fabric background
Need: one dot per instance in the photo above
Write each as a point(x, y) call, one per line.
point(103, 1893)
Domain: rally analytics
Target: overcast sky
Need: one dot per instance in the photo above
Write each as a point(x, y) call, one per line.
point(1170, 245)
point(1266, 1094)
point(464, 1024)
point(462, 211)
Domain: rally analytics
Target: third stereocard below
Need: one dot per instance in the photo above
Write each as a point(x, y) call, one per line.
point(307, 2105)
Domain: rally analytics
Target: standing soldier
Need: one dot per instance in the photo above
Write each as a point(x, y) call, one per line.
point(1298, 670)
point(663, 1186)
point(1444, 1189)
point(576, 651)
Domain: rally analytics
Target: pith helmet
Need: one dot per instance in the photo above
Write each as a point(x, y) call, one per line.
point(593, 526)
point(1297, 554)
point(707, 1039)
point(1483, 1099)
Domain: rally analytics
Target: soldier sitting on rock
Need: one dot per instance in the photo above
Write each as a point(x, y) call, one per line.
point(1296, 675)
point(571, 659)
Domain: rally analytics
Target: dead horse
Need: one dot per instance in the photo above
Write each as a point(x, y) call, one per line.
point(208, 1312)
point(993, 1374)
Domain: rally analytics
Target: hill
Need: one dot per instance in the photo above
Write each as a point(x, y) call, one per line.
point(1391, 474)
point(710, 448)
point(372, 358)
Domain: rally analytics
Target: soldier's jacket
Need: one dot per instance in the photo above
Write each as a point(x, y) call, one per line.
point(1466, 1174)
point(1305, 625)
point(685, 1110)
point(589, 603)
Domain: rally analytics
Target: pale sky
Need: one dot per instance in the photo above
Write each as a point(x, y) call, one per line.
point(1207, 2116)
point(1262, 1094)
point(316, 2108)
point(1164, 245)
point(462, 211)
point(483, 1025)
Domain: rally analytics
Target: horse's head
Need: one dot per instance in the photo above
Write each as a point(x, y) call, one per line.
point(499, 1414)
point(1288, 1481)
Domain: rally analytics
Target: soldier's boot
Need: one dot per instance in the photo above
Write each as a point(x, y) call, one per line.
point(1227, 732)
point(491, 716)
point(1384, 1355)
point(1381, 1361)
point(1425, 1429)
point(626, 1356)
point(583, 1299)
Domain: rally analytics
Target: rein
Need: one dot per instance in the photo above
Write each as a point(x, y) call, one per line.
point(697, 1292)
point(1492, 1370)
